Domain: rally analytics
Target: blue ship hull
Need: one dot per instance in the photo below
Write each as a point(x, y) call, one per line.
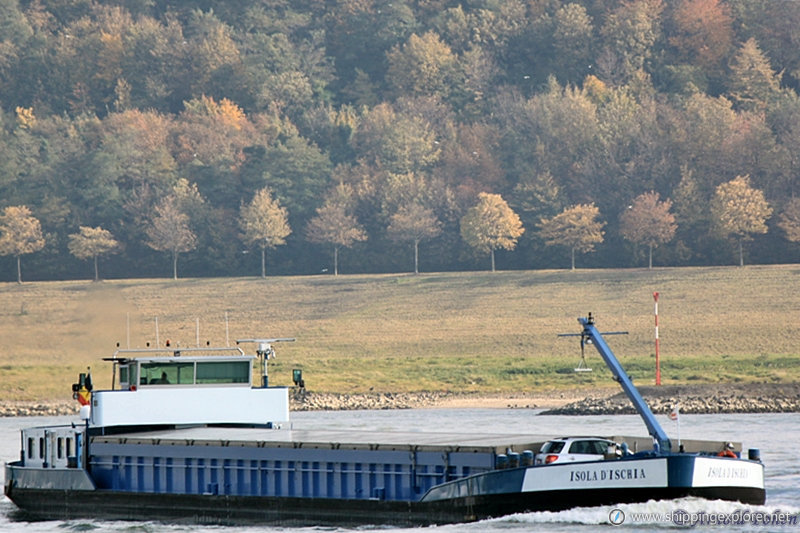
point(476, 497)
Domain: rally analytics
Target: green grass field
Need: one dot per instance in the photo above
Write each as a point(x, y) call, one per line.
point(470, 331)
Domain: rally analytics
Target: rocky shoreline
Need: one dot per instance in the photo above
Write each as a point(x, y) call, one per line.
point(304, 400)
point(10, 409)
point(693, 399)
point(299, 400)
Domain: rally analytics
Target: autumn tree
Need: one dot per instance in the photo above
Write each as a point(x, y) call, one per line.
point(20, 234)
point(572, 41)
point(708, 126)
point(170, 231)
point(789, 220)
point(560, 125)
point(90, 243)
point(739, 210)
point(648, 221)
point(754, 84)
point(774, 25)
point(576, 227)
point(702, 31)
point(395, 141)
point(414, 222)
point(470, 161)
point(631, 137)
point(491, 225)
point(629, 33)
point(264, 223)
point(212, 133)
point(422, 66)
point(135, 151)
point(335, 224)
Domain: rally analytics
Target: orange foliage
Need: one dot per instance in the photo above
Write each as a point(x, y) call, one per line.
point(211, 132)
point(703, 31)
point(109, 58)
point(145, 131)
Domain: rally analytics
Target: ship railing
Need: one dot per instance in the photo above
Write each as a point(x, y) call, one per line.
point(176, 351)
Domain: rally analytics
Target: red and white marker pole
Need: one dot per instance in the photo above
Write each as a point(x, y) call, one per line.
point(658, 361)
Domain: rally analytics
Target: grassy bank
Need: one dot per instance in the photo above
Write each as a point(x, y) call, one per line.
point(474, 331)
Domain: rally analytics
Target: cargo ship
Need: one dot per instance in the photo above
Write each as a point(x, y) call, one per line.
point(184, 436)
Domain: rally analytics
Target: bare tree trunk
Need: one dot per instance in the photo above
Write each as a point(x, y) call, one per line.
point(573, 258)
point(19, 270)
point(416, 256)
point(335, 260)
point(741, 255)
point(174, 265)
point(96, 273)
point(263, 262)
point(650, 263)
point(492, 259)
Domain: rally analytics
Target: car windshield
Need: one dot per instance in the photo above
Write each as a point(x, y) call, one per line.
point(554, 446)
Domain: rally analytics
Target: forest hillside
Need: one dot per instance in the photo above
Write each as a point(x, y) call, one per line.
point(153, 138)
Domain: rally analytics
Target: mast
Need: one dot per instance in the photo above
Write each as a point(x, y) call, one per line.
point(265, 352)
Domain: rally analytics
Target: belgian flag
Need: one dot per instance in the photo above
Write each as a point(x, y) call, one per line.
point(82, 390)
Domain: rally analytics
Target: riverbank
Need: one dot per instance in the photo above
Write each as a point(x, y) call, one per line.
point(692, 399)
point(305, 400)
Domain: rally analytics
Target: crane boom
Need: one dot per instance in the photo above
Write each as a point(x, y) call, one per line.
point(662, 442)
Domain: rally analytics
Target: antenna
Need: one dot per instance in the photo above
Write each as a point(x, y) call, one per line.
point(227, 336)
point(265, 345)
point(265, 351)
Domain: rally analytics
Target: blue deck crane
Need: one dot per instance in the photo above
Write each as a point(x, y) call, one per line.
point(590, 335)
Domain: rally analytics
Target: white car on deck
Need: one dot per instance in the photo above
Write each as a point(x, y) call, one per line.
point(575, 450)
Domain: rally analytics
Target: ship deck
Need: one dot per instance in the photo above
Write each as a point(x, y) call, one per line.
point(330, 439)
point(349, 439)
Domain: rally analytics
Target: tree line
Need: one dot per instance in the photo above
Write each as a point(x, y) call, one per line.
point(403, 135)
point(739, 211)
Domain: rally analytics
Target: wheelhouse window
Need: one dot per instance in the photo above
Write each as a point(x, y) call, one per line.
point(128, 375)
point(167, 374)
point(223, 372)
point(215, 372)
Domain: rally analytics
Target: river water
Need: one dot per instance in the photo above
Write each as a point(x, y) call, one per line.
point(776, 435)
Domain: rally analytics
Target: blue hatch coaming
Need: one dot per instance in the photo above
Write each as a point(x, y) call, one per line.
point(392, 475)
